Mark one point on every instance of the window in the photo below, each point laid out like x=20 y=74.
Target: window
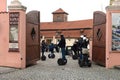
x=59 y=18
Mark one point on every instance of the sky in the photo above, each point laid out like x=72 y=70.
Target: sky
x=77 y=9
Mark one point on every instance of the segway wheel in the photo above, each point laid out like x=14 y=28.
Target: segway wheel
x=65 y=61
x=61 y=61
x=43 y=58
x=81 y=63
x=51 y=55
x=89 y=64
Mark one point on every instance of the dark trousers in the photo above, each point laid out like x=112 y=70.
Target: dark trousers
x=43 y=50
x=52 y=51
x=63 y=53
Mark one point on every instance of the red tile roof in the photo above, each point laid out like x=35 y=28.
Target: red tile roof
x=67 y=25
x=59 y=11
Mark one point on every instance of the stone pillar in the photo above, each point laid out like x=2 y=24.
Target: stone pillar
x=112 y=51
x=3 y=5
x=16 y=9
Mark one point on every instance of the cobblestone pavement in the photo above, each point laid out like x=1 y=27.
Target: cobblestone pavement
x=49 y=70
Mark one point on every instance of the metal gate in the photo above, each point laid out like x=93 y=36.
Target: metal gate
x=99 y=29
x=32 y=37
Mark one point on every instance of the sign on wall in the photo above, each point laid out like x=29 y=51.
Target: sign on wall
x=13 y=31
x=14 y=18
x=116 y=31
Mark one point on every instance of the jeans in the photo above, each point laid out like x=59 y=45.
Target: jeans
x=43 y=50
x=52 y=51
x=63 y=53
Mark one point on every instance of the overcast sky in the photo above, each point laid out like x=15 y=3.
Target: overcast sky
x=77 y=9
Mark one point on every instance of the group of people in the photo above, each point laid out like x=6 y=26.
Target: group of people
x=50 y=47
x=61 y=44
x=79 y=46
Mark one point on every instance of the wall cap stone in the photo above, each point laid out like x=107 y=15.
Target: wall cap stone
x=17 y=8
x=16 y=5
x=112 y=7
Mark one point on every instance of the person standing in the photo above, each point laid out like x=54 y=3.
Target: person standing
x=62 y=45
x=43 y=47
x=51 y=48
x=75 y=48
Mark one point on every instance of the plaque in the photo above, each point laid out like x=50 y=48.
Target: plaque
x=13 y=45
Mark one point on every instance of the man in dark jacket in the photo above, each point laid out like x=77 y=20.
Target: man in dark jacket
x=75 y=48
x=62 y=45
x=43 y=47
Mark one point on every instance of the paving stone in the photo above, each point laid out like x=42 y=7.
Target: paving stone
x=50 y=70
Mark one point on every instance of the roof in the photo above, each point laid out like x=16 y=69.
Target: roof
x=67 y=25
x=59 y=11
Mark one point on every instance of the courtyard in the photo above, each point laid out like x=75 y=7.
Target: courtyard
x=49 y=70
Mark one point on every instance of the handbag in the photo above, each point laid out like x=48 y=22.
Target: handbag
x=85 y=51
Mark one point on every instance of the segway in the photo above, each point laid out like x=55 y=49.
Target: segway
x=43 y=57
x=51 y=55
x=84 y=56
x=62 y=61
x=84 y=61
